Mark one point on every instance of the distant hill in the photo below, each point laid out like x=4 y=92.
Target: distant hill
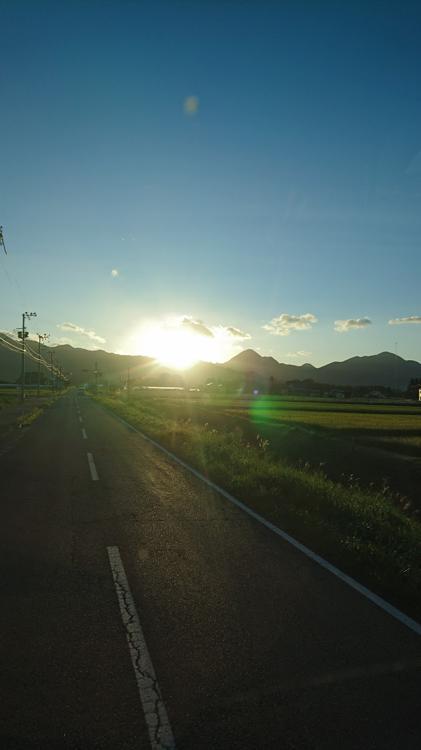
x=384 y=369
x=250 y=361
x=80 y=363
x=379 y=369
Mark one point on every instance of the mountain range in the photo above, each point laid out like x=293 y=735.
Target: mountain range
x=384 y=369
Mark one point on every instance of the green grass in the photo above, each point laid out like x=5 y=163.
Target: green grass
x=344 y=420
x=359 y=529
x=317 y=414
x=325 y=415
x=378 y=443
x=410 y=446
x=33 y=408
x=10 y=396
x=32 y=416
x=6 y=400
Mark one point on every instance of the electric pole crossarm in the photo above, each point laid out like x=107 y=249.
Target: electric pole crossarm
x=41 y=337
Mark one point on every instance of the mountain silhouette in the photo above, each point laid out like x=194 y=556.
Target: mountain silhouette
x=383 y=369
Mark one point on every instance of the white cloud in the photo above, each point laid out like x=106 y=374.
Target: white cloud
x=285 y=323
x=402 y=321
x=235 y=332
x=191 y=105
x=343 y=326
x=81 y=331
x=115 y=273
x=197 y=326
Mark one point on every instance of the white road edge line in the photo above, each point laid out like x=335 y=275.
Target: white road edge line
x=91 y=462
x=84 y=435
x=370 y=595
x=159 y=728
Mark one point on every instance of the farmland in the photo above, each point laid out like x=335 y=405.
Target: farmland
x=374 y=443
x=320 y=469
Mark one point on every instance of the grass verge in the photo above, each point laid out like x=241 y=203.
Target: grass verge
x=32 y=416
x=360 y=531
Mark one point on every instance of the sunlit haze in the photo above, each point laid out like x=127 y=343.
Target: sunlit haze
x=253 y=166
x=182 y=341
x=210 y=374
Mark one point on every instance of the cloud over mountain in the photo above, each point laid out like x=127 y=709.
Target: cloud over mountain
x=351 y=324
x=236 y=332
x=285 y=323
x=81 y=331
x=197 y=326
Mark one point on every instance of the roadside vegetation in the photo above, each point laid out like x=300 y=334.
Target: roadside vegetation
x=6 y=398
x=12 y=416
x=371 y=531
x=34 y=413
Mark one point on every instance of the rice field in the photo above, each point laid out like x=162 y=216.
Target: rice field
x=308 y=466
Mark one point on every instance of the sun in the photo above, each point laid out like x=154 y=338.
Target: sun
x=171 y=346
x=180 y=342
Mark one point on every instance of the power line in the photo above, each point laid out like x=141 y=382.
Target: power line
x=7 y=345
x=31 y=355
x=38 y=357
x=29 y=352
x=8 y=340
x=2 y=240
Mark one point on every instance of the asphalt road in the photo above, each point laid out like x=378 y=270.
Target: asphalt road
x=253 y=645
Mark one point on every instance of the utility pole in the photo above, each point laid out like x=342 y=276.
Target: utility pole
x=396 y=368
x=41 y=337
x=96 y=373
x=128 y=383
x=51 y=371
x=22 y=334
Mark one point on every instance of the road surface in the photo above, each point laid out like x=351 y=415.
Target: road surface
x=140 y=609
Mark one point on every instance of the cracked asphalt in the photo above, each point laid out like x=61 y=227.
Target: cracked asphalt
x=160 y=733
x=253 y=645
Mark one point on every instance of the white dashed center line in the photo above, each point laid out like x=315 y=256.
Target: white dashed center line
x=84 y=435
x=92 y=467
x=80 y=418
x=160 y=732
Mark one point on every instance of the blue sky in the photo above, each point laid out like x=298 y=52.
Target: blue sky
x=291 y=188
